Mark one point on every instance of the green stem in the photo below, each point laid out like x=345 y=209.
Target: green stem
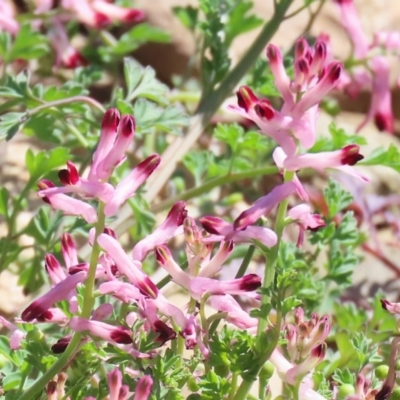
x=206 y=187
x=88 y=302
x=234 y=382
x=246 y=261
x=78 y=135
x=88 y=297
x=56 y=103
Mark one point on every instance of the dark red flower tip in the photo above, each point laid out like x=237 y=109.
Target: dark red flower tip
x=384 y=303
x=148 y=288
x=384 y=122
x=211 y=224
x=320 y=49
x=76 y=60
x=51 y=388
x=343 y=1
x=121 y=335
x=32 y=311
x=165 y=333
x=110 y=232
x=127 y=125
x=51 y=263
x=134 y=15
x=351 y=155
x=148 y=165
x=250 y=282
x=264 y=110
x=178 y=213
x=246 y=98
x=45 y=184
x=69 y=176
x=78 y=268
x=162 y=254
x=101 y=20
x=301 y=48
x=61 y=344
x=272 y=53
x=303 y=65
x=319 y=351
x=334 y=71
x=111 y=120
x=45 y=317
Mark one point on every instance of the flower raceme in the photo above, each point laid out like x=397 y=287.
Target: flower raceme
x=116 y=136
x=368 y=68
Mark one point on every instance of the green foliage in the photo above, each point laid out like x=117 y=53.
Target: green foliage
x=337 y=140
x=388 y=158
x=224 y=20
x=28 y=44
x=337 y=199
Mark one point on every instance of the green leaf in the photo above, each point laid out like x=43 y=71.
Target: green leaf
x=16 y=87
x=29 y=44
x=238 y=22
x=43 y=162
x=339 y=138
x=10 y=124
x=141 y=82
x=388 y=158
x=150 y=117
x=5 y=44
x=336 y=198
x=4 y=198
x=188 y=16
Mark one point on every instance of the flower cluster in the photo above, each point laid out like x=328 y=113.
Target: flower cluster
x=120 y=279
x=368 y=67
x=94 y=14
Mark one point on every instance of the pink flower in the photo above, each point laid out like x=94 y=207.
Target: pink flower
x=16 y=336
x=73 y=183
x=393 y=308
x=342 y=160
x=167 y=230
x=124 y=291
x=143 y=388
x=381 y=103
x=114 y=379
x=271 y=122
x=108 y=134
x=68 y=250
x=226 y=231
x=126 y=132
x=351 y=22
x=148 y=311
x=7 y=18
x=85 y=13
x=109 y=333
x=165 y=259
x=264 y=205
x=66 y=55
x=283 y=366
x=299 y=371
x=54 y=269
x=128 y=186
x=131 y=269
x=305 y=220
x=248 y=283
x=117 y=13
x=57 y=293
x=214 y=265
x=235 y=314
x=68 y=205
